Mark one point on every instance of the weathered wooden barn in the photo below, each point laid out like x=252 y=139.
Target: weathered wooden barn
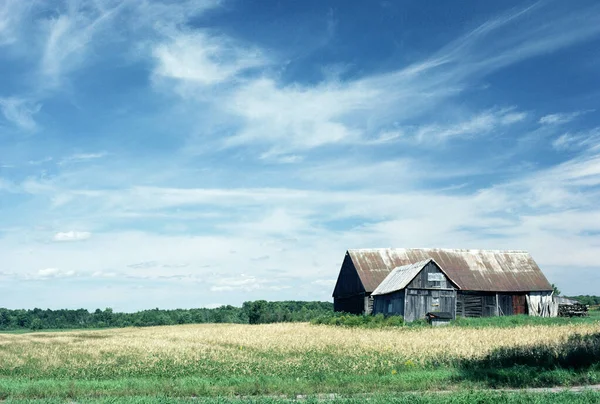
x=414 y=290
x=488 y=283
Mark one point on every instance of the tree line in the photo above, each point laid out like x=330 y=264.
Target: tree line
x=255 y=312
x=587 y=299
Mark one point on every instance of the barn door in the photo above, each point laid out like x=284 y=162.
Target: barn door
x=519 y=304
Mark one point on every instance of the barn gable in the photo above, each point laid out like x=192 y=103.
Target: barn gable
x=349 y=283
x=408 y=275
x=349 y=294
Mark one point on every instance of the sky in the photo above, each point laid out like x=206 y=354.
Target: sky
x=196 y=153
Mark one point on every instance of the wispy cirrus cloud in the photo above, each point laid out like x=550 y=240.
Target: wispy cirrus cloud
x=69 y=36
x=288 y=118
x=82 y=157
x=11 y=13
x=20 y=112
x=204 y=59
x=478 y=125
x=560 y=119
x=584 y=140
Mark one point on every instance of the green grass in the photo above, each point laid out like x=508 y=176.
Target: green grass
x=379 y=321
x=522 y=320
x=419 y=379
x=463 y=397
x=29 y=331
x=572 y=362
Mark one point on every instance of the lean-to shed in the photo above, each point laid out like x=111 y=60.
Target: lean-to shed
x=414 y=290
x=489 y=282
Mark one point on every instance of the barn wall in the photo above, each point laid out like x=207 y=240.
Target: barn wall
x=352 y=304
x=481 y=304
x=348 y=282
x=422 y=301
x=390 y=304
x=422 y=280
x=505 y=303
x=427 y=293
x=349 y=294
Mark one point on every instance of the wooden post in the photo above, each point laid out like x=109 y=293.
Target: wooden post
x=497 y=306
x=455 y=301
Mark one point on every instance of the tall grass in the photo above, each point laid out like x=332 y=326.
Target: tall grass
x=277 y=358
x=353 y=320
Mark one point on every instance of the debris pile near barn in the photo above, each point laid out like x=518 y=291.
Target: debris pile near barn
x=572 y=310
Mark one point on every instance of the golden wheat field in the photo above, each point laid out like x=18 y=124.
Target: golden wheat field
x=275 y=349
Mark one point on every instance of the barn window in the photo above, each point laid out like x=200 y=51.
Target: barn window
x=390 y=306
x=435 y=279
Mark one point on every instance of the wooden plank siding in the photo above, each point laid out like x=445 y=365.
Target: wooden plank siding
x=349 y=294
x=352 y=304
x=423 y=294
x=422 y=301
x=422 y=281
x=391 y=304
x=484 y=304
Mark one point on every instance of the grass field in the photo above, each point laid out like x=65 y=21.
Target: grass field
x=289 y=359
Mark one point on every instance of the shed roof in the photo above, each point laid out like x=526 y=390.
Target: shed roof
x=564 y=300
x=476 y=270
x=399 y=278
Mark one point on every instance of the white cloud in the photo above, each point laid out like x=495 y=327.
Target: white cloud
x=11 y=12
x=72 y=236
x=328 y=283
x=40 y=161
x=559 y=119
x=20 y=112
x=82 y=157
x=299 y=118
x=287 y=118
x=241 y=283
x=143 y=265
x=49 y=273
x=8 y=186
x=204 y=59
x=68 y=38
x=477 y=125
x=589 y=140
x=104 y=274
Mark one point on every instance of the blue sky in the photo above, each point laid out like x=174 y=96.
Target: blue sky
x=197 y=153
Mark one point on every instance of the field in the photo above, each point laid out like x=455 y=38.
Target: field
x=283 y=360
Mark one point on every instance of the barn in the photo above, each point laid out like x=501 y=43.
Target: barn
x=486 y=282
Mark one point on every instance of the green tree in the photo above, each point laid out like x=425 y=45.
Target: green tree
x=556 y=290
x=256 y=311
x=36 y=324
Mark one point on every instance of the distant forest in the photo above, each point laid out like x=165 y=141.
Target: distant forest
x=587 y=299
x=256 y=312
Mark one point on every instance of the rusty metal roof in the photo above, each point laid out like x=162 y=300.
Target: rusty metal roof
x=399 y=278
x=476 y=270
